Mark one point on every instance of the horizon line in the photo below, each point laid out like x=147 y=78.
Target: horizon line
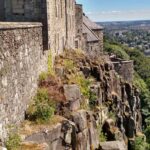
x=124 y=20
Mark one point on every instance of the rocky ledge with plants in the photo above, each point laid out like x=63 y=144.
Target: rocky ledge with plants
x=81 y=104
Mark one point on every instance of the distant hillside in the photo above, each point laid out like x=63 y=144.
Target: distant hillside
x=126 y=24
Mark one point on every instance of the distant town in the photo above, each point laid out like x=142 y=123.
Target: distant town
x=134 y=34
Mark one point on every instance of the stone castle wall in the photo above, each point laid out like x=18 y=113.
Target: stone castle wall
x=93 y=48
x=21 y=62
x=125 y=69
x=56 y=26
x=70 y=23
x=23 y=10
x=58 y=18
x=79 y=23
x=100 y=35
x=2 y=12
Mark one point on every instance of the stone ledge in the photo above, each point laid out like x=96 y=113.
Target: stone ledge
x=122 y=61
x=19 y=25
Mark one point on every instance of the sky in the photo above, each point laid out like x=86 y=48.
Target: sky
x=116 y=10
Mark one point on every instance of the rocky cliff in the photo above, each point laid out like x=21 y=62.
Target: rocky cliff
x=92 y=101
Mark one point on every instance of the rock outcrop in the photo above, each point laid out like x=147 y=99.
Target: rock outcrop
x=92 y=99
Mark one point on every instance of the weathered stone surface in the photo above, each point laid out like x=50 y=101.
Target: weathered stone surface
x=61 y=136
x=22 y=60
x=113 y=145
x=73 y=96
x=34 y=146
x=3 y=148
x=72 y=92
x=124 y=69
x=58 y=18
x=80 y=120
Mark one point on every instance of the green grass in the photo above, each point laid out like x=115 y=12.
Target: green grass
x=13 y=142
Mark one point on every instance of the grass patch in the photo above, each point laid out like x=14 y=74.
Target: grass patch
x=102 y=136
x=69 y=64
x=50 y=64
x=13 y=142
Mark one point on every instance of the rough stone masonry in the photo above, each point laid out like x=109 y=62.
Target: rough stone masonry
x=21 y=62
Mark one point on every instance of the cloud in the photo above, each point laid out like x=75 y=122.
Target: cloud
x=117 y=15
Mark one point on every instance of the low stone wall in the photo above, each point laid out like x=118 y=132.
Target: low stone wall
x=124 y=69
x=21 y=62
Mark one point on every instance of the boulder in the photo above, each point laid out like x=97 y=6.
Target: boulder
x=73 y=96
x=80 y=120
x=113 y=145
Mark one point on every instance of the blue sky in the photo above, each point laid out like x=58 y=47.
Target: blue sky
x=116 y=10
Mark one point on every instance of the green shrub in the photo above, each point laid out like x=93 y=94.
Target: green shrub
x=140 y=144
x=13 y=142
x=92 y=99
x=102 y=136
x=50 y=64
x=112 y=115
x=147 y=133
x=43 y=76
x=116 y=49
x=69 y=64
x=43 y=107
x=84 y=85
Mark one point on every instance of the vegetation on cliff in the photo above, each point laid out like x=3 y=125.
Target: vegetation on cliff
x=141 y=77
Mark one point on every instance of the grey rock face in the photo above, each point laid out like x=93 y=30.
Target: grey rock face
x=113 y=145
x=73 y=96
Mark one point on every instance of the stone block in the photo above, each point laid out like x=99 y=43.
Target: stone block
x=72 y=92
x=80 y=120
x=113 y=145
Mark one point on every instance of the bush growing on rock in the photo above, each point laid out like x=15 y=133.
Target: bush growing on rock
x=42 y=108
x=92 y=99
x=13 y=142
x=140 y=144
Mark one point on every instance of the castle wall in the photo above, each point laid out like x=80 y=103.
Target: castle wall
x=70 y=23
x=100 y=35
x=124 y=69
x=79 y=25
x=27 y=11
x=23 y=10
x=2 y=11
x=93 y=48
x=56 y=26
x=21 y=62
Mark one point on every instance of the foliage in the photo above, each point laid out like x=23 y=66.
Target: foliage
x=145 y=97
x=42 y=108
x=43 y=76
x=83 y=83
x=84 y=104
x=13 y=142
x=69 y=64
x=142 y=75
x=50 y=64
x=102 y=136
x=112 y=115
x=92 y=99
x=141 y=62
x=140 y=144
x=147 y=133
x=148 y=83
x=116 y=49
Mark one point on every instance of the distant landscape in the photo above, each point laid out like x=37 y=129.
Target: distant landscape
x=134 y=34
